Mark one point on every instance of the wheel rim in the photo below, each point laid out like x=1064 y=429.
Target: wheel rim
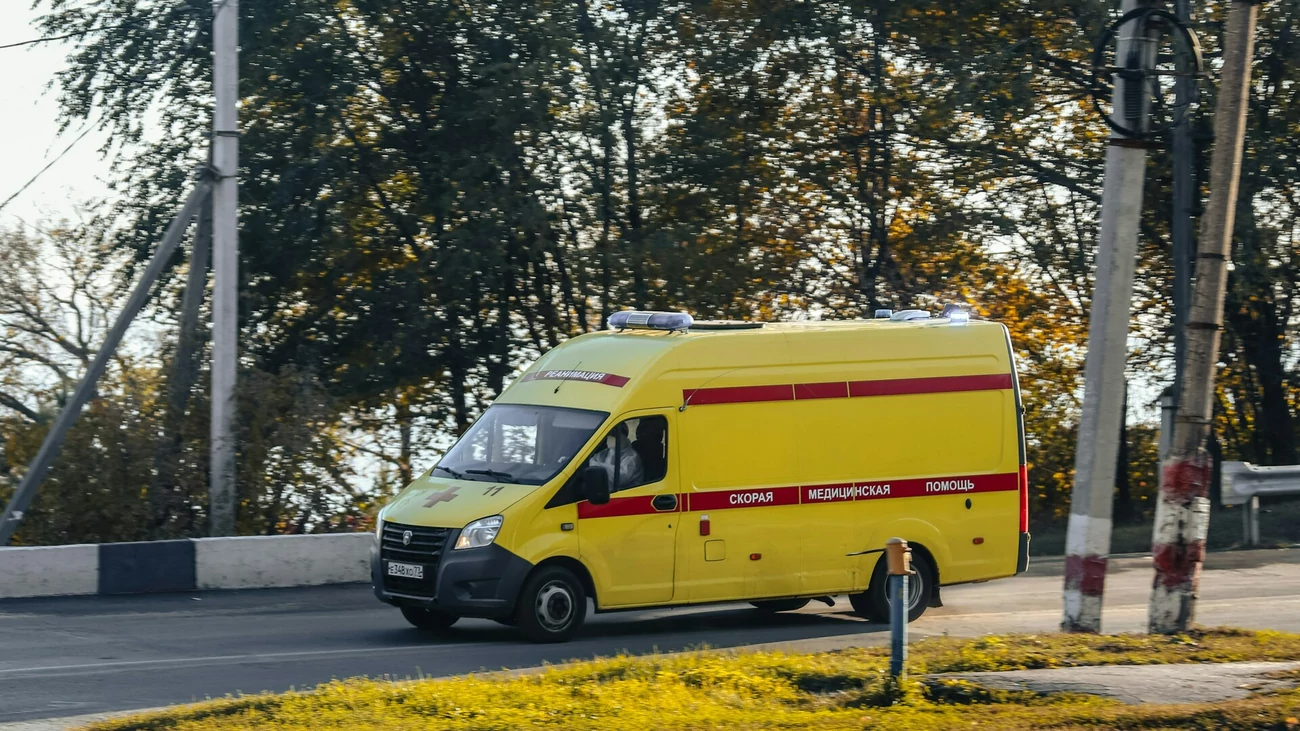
x=915 y=583
x=555 y=606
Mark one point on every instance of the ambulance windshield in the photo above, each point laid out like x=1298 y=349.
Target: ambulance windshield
x=519 y=444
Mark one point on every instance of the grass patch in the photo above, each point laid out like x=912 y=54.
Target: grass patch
x=1027 y=652
x=847 y=689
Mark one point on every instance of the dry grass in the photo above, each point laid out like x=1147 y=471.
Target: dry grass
x=770 y=690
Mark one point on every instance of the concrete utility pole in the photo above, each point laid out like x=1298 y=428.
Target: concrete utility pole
x=1183 y=513
x=225 y=264
x=1087 y=543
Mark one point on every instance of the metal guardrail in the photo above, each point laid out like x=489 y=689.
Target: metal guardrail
x=1243 y=483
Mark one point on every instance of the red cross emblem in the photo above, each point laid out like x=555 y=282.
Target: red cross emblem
x=441 y=497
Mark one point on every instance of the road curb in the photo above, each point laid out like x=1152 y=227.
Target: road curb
x=248 y=562
x=66 y=723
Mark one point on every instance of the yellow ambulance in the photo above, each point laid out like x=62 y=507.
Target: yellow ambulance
x=667 y=462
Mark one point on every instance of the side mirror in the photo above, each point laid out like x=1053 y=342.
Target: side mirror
x=595 y=484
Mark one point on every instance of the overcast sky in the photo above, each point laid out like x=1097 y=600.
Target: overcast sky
x=29 y=132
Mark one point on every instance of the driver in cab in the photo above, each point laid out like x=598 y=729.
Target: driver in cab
x=620 y=460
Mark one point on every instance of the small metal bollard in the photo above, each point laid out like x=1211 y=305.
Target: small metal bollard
x=899 y=562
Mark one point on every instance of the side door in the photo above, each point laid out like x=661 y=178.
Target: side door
x=629 y=542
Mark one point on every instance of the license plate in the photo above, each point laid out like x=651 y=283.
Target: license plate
x=406 y=570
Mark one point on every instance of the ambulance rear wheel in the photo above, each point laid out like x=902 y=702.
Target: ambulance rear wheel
x=552 y=605
x=873 y=605
x=429 y=620
x=780 y=605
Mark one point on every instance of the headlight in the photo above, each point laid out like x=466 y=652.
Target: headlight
x=379 y=526
x=480 y=533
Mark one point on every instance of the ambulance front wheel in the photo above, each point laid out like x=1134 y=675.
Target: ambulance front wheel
x=552 y=605
x=873 y=605
x=429 y=620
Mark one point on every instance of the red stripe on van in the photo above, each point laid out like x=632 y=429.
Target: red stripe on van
x=842 y=492
x=622 y=506
x=850 y=389
x=737 y=394
x=762 y=497
x=751 y=498
x=821 y=390
x=885 y=489
x=939 y=384
x=607 y=379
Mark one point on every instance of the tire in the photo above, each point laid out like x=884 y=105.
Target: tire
x=874 y=606
x=780 y=605
x=429 y=620
x=863 y=607
x=552 y=605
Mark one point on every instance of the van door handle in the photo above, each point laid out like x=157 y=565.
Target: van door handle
x=664 y=503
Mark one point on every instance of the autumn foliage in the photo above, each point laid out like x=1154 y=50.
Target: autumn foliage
x=434 y=192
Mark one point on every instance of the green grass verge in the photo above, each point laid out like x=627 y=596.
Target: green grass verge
x=770 y=690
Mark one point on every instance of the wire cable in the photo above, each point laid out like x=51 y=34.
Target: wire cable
x=49 y=39
x=166 y=78
x=88 y=31
x=48 y=165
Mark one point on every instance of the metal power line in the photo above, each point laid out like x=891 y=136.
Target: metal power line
x=48 y=39
x=31 y=181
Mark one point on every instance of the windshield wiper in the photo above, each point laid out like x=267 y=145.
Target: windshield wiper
x=451 y=472
x=492 y=473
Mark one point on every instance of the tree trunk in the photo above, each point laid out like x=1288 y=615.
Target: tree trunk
x=1252 y=313
x=404 y=422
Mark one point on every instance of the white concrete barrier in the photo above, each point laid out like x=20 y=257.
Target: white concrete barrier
x=276 y=561
x=49 y=571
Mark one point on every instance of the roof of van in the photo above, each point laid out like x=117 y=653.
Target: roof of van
x=617 y=371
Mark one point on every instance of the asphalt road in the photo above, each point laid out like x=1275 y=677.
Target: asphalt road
x=85 y=655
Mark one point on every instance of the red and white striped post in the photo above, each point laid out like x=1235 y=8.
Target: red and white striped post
x=1087 y=540
x=1183 y=513
x=1178 y=548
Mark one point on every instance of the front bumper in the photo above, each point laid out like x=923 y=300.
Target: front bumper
x=475 y=582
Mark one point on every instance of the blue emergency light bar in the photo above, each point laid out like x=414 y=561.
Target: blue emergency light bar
x=957 y=314
x=636 y=320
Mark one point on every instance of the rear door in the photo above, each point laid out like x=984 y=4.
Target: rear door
x=628 y=543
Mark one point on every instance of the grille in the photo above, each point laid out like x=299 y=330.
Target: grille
x=426 y=547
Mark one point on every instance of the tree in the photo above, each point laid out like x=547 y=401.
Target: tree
x=435 y=192
x=55 y=301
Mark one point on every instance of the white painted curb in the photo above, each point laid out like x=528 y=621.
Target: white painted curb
x=279 y=561
x=49 y=571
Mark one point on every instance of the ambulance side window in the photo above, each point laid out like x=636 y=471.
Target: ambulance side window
x=650 y=442
x=634 y=453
